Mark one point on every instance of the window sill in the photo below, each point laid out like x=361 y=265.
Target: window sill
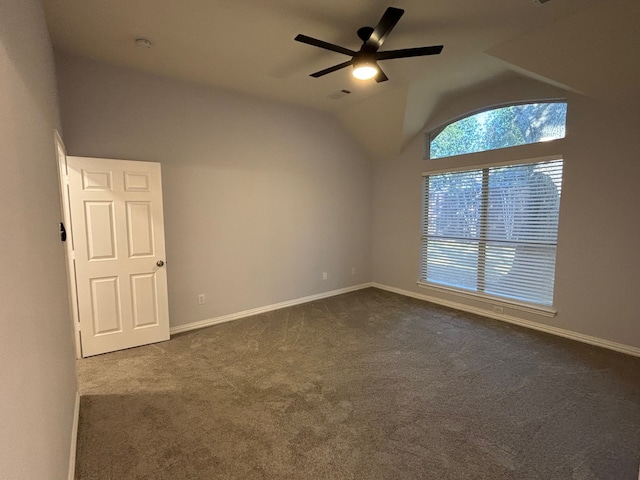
x=513 y=305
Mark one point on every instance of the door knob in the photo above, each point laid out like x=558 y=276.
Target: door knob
x=160 y=263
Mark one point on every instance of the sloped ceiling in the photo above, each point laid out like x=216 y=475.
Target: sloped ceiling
x=595 y=52
x=247 y=46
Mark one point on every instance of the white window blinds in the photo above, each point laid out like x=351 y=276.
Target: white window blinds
x=493 y=230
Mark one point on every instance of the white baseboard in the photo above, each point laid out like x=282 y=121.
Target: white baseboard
x=74 y=438
x=268 y=308
x=600 y=342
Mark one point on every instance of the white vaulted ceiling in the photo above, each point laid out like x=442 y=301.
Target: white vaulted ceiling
x=247 y=46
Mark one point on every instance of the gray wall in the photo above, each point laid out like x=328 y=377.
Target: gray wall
x=598 y=260
x=37 y=369
x=260 y=198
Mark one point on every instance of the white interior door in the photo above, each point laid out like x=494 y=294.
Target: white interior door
x=118 y=237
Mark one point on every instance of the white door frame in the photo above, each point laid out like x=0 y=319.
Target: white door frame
x=63 y=182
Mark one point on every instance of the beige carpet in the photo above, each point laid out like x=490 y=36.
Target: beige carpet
x=368 y=385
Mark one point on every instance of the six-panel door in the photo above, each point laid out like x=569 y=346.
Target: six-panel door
x=118 y=232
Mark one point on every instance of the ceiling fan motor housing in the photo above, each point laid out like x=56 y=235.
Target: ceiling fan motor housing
x=364 y=33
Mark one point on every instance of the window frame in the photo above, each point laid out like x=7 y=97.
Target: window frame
x=496 y=301
x=433 y=133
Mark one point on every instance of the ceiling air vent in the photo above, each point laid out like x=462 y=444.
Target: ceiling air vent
x=339 y=94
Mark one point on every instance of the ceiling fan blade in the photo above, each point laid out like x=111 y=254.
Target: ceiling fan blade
x=389 y=19
x=326 y=45
x=409 y=52
x=381 y=77
x=331 y=69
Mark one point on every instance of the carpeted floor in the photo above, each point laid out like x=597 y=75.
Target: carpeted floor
x=368 y=385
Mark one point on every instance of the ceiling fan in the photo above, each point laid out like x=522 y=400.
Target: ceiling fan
x=365 y=60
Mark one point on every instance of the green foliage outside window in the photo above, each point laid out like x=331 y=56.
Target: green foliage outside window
x=500 y=128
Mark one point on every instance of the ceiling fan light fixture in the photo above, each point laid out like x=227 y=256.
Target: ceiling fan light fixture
x=364 y=71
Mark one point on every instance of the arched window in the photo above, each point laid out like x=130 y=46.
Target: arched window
x=491 y=230
x=499 y=128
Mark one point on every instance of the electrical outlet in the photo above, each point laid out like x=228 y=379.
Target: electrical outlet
x=353 y=270
x=324 y=275
x=201 y=299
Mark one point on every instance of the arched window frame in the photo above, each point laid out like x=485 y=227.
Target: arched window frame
x=432 y=134
x=485 y=162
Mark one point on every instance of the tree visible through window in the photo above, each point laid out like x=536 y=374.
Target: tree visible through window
x=493 y=229
x=500 y=128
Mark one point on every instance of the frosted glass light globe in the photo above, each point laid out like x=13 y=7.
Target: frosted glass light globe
x=364 y=72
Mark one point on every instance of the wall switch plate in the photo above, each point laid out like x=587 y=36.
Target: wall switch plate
x=353 y=270
x=324 y=275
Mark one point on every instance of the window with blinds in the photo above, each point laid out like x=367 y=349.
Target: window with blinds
x=493 y=230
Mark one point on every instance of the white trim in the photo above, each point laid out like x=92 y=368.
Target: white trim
x=506 y=163
x=599 y=342
x=74 y=438
x=268 y=308
x=537 y=310
x=63 y=179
